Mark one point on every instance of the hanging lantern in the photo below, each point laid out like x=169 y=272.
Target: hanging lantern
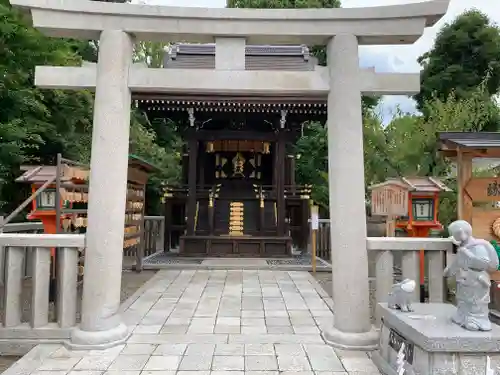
x=210 y=147
x=266 y=148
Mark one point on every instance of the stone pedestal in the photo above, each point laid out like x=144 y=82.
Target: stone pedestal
x=433 y=344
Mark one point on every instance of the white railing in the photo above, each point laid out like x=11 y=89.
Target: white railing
x=26 y=227
x=407 y=253
x=16 y=247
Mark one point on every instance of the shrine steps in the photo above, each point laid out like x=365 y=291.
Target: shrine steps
x=235 y=246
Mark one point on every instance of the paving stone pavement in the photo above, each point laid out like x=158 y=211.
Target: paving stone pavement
x=215 y=322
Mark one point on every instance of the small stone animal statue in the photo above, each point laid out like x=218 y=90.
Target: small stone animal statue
x=401 y=295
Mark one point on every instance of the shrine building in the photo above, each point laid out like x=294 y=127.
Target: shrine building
x=238 y=195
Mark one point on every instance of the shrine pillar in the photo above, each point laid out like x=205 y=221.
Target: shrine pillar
x=192 y=184
x=352 y=327
x=100 y=325
x=280 y=184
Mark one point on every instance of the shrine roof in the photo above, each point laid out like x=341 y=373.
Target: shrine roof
x=43 y=173
x=258 y=57
x=415 y=184
x=138 y=162
x=36 y=173
x=425 y=184
x=470 y=139
x=480 y=144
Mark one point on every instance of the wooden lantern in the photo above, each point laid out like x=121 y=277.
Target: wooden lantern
x=423 y=203
x=414 y=200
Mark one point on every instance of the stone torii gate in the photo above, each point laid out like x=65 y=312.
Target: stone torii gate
x=115 y=77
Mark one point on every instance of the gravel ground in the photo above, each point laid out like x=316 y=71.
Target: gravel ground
x=131 y=282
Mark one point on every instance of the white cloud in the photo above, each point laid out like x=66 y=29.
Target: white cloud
x=385 y=58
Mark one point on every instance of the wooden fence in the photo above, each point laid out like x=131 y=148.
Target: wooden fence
x=323 y=240
x=154 y=232
x=152 y=241
x=375 y=228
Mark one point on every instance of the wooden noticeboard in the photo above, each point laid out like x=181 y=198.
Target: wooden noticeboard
x=483 y=189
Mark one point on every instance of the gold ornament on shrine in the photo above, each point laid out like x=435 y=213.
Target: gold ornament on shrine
x=266 y=148
x=210 y=147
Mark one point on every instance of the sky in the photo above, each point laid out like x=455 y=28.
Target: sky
x=385 y=58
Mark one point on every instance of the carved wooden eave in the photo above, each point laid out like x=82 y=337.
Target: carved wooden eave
x=475 y=144
x=239 y=105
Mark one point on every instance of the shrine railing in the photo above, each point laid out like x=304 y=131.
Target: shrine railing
x=154 y=234
x=375 y=228
x=27 y=311
x=25 y=227
x=395 y=259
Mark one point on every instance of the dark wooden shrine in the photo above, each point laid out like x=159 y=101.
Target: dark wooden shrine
x=239 y=196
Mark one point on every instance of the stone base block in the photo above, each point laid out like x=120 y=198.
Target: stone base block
x=433 y=345
x=98 y=340
x=351 y=341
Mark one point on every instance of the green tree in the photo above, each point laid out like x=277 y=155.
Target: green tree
x=34 y=124
x=167 y=157
x=150 y=53
x=312 y=161
x=465 y=53
x=37 y=124
x=312 y=156
x=412 y=140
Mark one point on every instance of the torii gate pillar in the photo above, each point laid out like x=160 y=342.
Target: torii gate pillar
x=346 y=179
x=101 y=326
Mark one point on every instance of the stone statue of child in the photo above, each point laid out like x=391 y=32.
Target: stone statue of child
x=474 y=259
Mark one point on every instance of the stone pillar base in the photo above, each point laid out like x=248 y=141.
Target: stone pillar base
x=87 y=340
x=351 y=341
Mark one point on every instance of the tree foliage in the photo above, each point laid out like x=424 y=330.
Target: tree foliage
x=37 y=124
x=34 y=123
x=465 y=52
x=412 y=143
x=312 y=156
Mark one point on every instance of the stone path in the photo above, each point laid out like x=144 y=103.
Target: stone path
x=215 y=323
